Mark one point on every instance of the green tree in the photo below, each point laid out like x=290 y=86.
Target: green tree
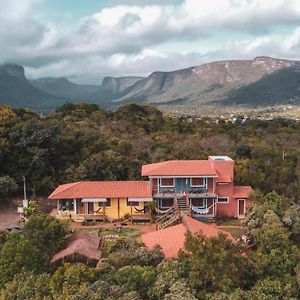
x=135 y=278
x=217 y=254
x=46 y=233
x=19 y=254
x=7 y=186
x=27 y=286
x=68 y=278
x=276 y=256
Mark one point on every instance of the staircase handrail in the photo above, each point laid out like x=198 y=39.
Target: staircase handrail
x=165 y=216
x=163 y=212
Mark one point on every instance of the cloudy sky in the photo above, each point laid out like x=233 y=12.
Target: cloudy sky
x=88 y=39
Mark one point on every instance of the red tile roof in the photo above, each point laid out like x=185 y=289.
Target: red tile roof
x=179 y=168
x=172 y=238
x=224 y=179
x=241 y=191
x=103 y=189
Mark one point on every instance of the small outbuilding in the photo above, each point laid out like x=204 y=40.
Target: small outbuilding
x=80 y=247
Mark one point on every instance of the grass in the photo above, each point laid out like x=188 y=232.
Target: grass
x=230 y=222
x=121 y=232
x=236 y=232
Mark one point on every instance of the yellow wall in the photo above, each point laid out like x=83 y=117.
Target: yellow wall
x=112 y=212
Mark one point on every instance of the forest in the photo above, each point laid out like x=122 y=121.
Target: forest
x=84 y=142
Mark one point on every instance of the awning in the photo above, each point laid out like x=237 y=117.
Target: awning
x=94 y=200
x=140 y=199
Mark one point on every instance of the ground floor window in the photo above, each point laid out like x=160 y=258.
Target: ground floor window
x=132 y=203
x=199 y=202
x=166 y=202
x=108 y=202
x=66 y=205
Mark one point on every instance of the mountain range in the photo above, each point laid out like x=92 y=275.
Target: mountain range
x=263 y=81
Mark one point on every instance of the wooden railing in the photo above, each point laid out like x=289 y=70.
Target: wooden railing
x=172 y=215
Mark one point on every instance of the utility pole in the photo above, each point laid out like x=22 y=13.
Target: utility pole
x=25 y=201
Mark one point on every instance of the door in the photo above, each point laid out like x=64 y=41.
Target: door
x=79 y=207
x=90 y=208
x=241 y=207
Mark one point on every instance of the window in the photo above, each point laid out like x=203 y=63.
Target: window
x=66 y=205
x=132 y=203
x=199 y=202
x=198 y=182
x=223 y=199
x=167 y=182
x=108 y=202
x=166 y=202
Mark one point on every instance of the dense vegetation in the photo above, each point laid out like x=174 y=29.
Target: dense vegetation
x=210 y=268
x=83 y=142
x=80 y=142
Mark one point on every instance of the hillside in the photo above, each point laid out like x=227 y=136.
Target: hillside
x=16 y=90
x=282 y=86
x=205 y=83
x=113 y=88
x=62 y=87
x=260 y=82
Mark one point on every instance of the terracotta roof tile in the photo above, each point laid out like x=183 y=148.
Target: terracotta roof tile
x=224 y=179
x=103 y=189
x=172 y=238
x=241 y=191
x=179 y=168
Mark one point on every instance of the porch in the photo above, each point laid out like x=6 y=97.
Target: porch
x=195 y=205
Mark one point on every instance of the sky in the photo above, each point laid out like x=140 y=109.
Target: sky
x=86 y=40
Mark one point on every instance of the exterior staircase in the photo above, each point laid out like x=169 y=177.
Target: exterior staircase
x=183 y=203
x=171 y=217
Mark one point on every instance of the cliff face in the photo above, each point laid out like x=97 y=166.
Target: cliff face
x=15 y=90
x=262 y=81
x=204 y=83
x=12 y=70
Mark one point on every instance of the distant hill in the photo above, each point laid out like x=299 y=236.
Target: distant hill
x=16 y=90
x=205 y=83
x=282 y=86
x=113 y=88
x=263 y=81
x=64 y=88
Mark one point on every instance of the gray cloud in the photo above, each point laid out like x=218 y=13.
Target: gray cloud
x=124 y=39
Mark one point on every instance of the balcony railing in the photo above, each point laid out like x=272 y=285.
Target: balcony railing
x=166 y=191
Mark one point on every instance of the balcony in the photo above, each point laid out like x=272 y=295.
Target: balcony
x=191 y=192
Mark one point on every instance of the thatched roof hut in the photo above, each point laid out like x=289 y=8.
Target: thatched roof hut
x=80 y=247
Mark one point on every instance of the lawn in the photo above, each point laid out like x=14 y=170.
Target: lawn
x=236 y=232
x=121 y=232
x=230 y=222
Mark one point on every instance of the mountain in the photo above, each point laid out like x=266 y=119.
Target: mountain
x=113 y=88
x=16 y=90
x=205 y=83
x=263 y=81
x=280 y=87
x=64 y=88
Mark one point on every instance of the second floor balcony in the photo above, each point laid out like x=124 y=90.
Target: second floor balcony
x=184 y=186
